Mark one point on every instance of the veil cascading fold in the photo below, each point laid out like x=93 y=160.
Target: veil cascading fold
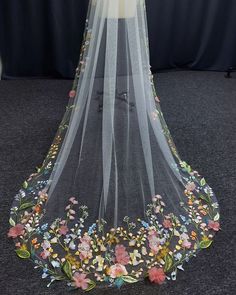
x=113 y=202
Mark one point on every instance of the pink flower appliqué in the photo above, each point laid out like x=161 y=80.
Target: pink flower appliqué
x=84 y=247
x=86 y=240
x=63 y=230
x=15 y=231
x=185 y=241
x=121 y=254
x=186 y=244
x=81 y=281
x=157 y=99
x=190 y=186
x=72 y=93
x=45 y=254
x=73 y=201
x=153 y=241
x=156 y=275
x=167 y=223
x=213 y=225
x=46 y=245
x=117 y=270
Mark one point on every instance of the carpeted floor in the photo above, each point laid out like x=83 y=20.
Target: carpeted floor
x=200 y=109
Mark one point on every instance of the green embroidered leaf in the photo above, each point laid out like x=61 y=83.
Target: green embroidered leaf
x=205 y=198
x=217 y=217
x=183 y=164
x=91 y=286
x=38 y=169
x=205 y=244
x=168 y=263
x=26 y=205
x=24 y=254
x=12 y=222
x=185 y=167
x=59 y=278
x=67 y=269
x=188 y=168
x=25 y=184
x=129 y=279
x=202 y=182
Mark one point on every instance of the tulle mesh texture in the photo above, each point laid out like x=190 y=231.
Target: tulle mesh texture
x=115 y=155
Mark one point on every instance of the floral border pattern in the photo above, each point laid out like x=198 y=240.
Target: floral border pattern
x=155 y=248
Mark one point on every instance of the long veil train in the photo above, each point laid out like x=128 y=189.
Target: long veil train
x=113 y=202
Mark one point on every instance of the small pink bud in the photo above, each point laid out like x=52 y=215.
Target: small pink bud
x=72 y=93
x=157 y=99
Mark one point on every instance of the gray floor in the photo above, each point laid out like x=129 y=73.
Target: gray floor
x=200 y=109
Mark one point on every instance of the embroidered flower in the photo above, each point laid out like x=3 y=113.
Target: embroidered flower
x=184 y=236
x=190 y=186
x=55 y=263
x=16 y=231
x=186 y=244
x=157 y=209
x=213 y=225
x=167 y=223
x=157 y=99
x=193 y=235
x=156 y=198
x=144 y=250
x=73 y=201
x=153 y=241
x=45 y=273
x=80 y=280
x=121 y=254
x=72 y=245
x=84 y=247
x=105 y=255
x=117 y=270
x=43 y=195
x=37 y=208
x=45 y=254
x=100 y=261
x=44 y=226
x=156 y=275
x=63 y=230
x=72 y=93
x=134 y=257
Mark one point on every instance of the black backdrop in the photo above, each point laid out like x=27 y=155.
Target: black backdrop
x=43 y=37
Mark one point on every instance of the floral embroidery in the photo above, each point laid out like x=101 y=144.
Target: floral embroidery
x=81 y=281
x=16 y=231
x=64 y=250
x=82 y=60
x=156 y=275
x=72 y=93
x=213 y=225
x=155 y=248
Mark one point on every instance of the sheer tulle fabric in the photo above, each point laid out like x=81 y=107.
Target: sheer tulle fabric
x=114 y=154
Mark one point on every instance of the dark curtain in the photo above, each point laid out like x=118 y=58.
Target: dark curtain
x=43 y=37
